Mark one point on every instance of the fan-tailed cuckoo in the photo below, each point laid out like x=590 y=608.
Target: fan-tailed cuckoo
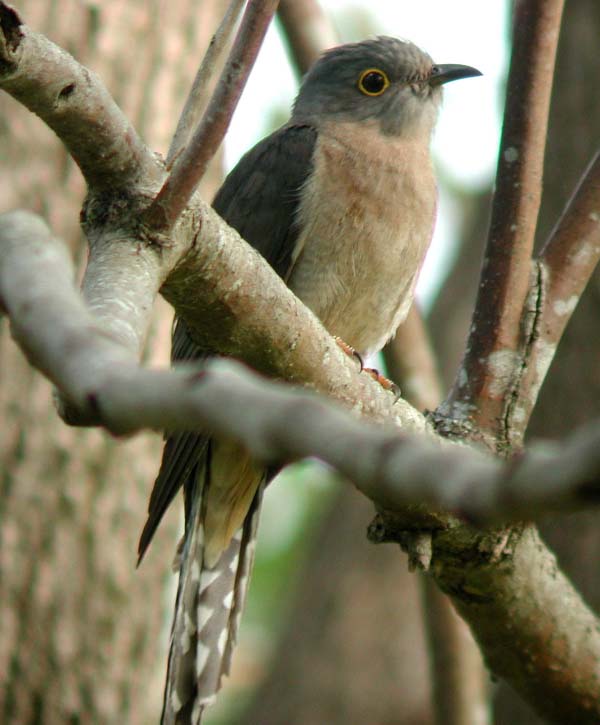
x=341 y=202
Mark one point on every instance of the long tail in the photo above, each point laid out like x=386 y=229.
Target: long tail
x=207 y=616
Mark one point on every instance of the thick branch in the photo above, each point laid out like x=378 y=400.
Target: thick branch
x=275 y=423
x=189 y=168
x=495 y=333
x=75 y=104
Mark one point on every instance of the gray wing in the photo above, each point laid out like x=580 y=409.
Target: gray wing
x=259 y=198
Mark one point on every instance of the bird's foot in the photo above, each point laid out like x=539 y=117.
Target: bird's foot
x=385 y=383
x=349 y=350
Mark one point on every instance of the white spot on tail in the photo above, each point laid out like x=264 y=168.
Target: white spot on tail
x=201 y=658
x=204 y=614
x=511 y=154
x=207 y=577
x=234 y=563
x=222 y=641
x=186 y=635
x=243 y=583
x=228 y=600
x=175 y=701
x=250 y=547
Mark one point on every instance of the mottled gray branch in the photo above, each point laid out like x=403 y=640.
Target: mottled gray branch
x=84 y=348
x=277 y=424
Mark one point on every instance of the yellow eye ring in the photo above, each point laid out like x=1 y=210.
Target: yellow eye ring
x=373 y=82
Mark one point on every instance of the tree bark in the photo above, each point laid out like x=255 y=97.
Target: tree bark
x=571 y=393
x=82 y=634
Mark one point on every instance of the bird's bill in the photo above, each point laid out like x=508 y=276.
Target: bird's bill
x=451 y=72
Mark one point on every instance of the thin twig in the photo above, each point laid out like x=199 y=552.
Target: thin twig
x=189 y=168
x=495 y=333
x=198 y=97
x=308 y=31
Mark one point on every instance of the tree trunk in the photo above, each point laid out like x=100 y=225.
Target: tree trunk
x=82 y=633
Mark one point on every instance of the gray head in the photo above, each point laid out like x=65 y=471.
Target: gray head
x=384 y=79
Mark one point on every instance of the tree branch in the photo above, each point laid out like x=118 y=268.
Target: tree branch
x=560 y=275
x=189 y=168
x=198 y=95
x=222 y=281
x=49 y=317
x=481 y=388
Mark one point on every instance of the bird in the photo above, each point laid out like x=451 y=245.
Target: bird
x=341 y=201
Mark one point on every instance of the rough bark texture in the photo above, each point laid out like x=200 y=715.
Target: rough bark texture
x=82 y=634
x=571 y=394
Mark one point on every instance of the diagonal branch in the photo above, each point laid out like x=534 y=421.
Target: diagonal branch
x=495 y=332
x=278 y=424
x=189 y=168
x=198 y=96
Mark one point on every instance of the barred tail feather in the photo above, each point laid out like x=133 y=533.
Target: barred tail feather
x=207 y=615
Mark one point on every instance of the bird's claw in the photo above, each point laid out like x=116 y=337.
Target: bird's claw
x=385 y=383
x=349 y=350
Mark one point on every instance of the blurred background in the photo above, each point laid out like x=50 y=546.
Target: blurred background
x=334 y=631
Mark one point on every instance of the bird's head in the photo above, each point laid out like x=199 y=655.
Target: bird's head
x=383 y=79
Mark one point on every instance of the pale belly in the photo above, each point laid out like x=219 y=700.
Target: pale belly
x=366 y=224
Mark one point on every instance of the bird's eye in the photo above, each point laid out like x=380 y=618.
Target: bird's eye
x=373 y=82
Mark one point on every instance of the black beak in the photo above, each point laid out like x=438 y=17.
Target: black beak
x=451 y=72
